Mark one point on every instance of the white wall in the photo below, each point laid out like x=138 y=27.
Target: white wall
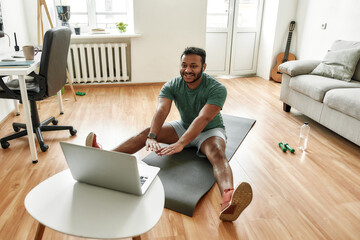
x=14 y=21
x=267 y=38
x=274 y=34
x=342 y=18
x=167 y=27
x=31 y=18
x=309 y=41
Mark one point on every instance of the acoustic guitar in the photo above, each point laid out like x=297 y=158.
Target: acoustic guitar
x=284 y=56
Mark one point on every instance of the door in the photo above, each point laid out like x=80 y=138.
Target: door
x=232 y=36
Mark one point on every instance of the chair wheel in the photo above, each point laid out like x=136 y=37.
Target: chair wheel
x=55 y=122
x=44 y=147
x=73 y=132
x=16 y=129
x=5 y=145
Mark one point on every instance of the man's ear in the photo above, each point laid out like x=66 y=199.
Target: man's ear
x=204 y=66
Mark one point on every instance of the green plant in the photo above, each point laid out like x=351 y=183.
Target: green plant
x=121 y=26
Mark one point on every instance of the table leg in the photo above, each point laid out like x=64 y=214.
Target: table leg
x=137 y=238
x=70 y=83
x=39 y=232
x=60 y=102
x=29 y=127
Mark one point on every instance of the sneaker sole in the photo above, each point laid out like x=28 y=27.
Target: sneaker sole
x=89 y=139
x=240 y=199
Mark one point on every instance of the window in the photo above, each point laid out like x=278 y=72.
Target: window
x=217 y=14
x=247 y=13
x=100 y=13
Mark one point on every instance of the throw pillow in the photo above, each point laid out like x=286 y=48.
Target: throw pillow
x=339 y=64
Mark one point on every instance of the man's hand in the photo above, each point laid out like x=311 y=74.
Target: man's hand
x=170 y=149
x=152 y=145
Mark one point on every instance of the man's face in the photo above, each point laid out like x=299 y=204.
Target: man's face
x=191 y=68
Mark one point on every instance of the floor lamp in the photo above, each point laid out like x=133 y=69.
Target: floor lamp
x=40 y=28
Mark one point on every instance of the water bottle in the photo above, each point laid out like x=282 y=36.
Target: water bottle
x=304 y=135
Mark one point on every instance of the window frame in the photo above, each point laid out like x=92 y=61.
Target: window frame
x=92 y=16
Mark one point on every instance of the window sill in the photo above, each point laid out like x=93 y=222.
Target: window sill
x=105 y=35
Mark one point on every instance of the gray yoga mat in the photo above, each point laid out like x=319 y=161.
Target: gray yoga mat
x=187 y=177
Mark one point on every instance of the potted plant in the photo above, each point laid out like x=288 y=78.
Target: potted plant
x=121 y=26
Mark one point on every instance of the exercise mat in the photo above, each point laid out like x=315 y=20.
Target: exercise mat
x=187 y=177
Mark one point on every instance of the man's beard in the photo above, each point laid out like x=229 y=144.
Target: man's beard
x=196 y=78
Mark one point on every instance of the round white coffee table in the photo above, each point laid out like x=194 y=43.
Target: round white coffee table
x=83 y=210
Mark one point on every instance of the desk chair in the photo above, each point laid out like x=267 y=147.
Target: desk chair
x=51 y=78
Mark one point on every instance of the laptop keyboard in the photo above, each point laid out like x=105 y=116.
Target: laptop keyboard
x=143 y=180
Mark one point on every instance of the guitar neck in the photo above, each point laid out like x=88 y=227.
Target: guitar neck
x=286 y=55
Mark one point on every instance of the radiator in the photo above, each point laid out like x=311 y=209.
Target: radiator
x=97 y=62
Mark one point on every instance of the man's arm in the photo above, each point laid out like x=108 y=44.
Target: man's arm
x=162 y=111
x=207 y=113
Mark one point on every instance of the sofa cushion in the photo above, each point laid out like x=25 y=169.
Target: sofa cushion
x=339 y=64
x=316 y=86
x=344 y=100
x=298 y=67
x=341 y=44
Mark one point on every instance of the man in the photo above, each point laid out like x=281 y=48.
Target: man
x=199 y=99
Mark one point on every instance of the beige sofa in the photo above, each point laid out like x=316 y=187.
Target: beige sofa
x=332 y=102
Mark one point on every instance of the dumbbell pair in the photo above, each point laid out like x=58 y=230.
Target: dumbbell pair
x=285 y=147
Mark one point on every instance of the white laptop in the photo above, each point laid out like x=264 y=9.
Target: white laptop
x=108 y=169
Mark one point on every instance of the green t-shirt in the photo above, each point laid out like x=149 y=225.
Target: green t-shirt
x=190 y=102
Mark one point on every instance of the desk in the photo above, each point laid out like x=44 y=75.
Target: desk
x=22 y=72
x=83 y=210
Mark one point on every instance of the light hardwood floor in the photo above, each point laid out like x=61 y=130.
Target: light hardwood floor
x=311 y=195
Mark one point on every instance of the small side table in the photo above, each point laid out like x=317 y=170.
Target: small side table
x=65 y=205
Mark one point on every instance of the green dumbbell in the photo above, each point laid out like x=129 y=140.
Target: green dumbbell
x=290 y=148
x=80 y=93
x=283 y=148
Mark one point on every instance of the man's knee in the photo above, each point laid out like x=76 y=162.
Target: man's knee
x=167 y=134
x=144 y=133
x=218 y=154
x=214 y=149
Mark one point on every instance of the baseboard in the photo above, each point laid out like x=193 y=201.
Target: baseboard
x=104 y=85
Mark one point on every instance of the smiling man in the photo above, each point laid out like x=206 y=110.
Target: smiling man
x=199 y=99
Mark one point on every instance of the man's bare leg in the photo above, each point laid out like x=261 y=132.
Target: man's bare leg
x=214 y=149
x=134 y=144
x=234 y=201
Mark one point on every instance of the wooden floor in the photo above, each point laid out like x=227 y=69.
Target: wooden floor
x=310 y=195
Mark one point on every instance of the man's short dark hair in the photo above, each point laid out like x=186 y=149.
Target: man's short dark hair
x=197 y=51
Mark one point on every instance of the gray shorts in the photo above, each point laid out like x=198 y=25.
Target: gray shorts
x=180 y=130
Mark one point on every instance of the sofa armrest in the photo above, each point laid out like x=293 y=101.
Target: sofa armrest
x=298 y=67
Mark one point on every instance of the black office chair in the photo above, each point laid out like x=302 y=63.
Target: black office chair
x=48 y=82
